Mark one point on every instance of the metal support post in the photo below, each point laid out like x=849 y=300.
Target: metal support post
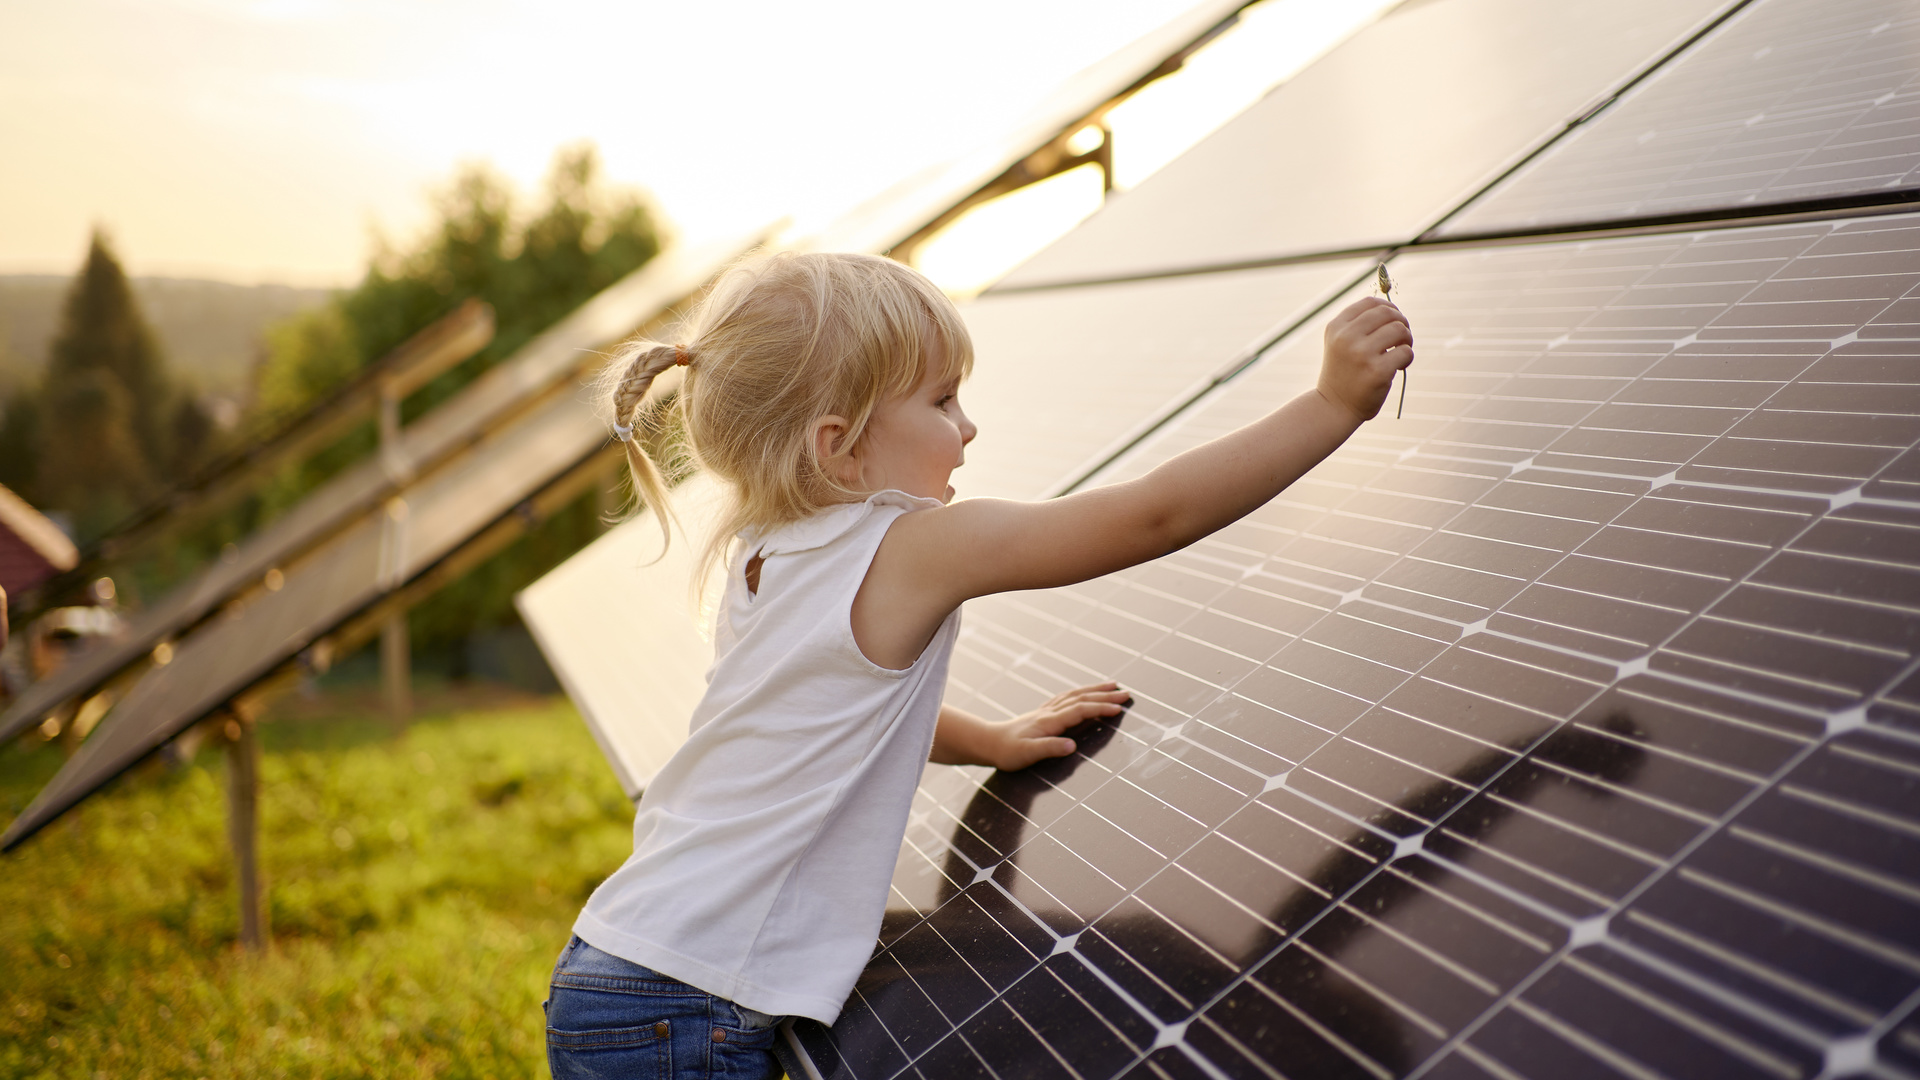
x=243 y=826
x=396 y=665
x=396 y=668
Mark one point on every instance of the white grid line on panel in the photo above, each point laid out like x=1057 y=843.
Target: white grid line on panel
x=1713 y=687
x=1786 y=546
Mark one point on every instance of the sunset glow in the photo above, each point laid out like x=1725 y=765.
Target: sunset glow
x=276 y=139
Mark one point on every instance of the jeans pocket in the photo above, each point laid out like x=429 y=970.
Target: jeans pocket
x=591 y=1035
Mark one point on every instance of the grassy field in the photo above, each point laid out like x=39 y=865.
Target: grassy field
x=421 y=883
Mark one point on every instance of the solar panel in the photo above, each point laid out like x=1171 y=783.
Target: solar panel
x=1160 y=362
x=546 y=362
x=500 y=464
x=615 y=629
x=615 y=648
x=1377 y=140
x=1127 y=354
x=1788 y=101
x=1568 y=727
x=911 y=206
x=344 y=577
x=291 y=439
x=335 y=583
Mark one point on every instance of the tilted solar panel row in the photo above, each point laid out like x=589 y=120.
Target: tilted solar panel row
x=907 y=211
x=520 y=429
x=552 y=359
x=1069 y=376
x=280 y=440
x=1378 y=140
x=1569 y=726
x=1565 y=727
x=345 y=577
x=1790 y=102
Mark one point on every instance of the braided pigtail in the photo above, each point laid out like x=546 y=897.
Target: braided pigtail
x=625 y=382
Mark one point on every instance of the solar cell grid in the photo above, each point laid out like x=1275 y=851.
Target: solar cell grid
x=1566 y=727
x=1376 y=141
x=1063 y=375
x=1790 y=100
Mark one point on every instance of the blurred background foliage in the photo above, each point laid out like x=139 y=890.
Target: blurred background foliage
x=109 y=425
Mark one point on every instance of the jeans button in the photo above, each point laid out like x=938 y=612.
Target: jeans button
x=719 y=1036
x=660 y=1029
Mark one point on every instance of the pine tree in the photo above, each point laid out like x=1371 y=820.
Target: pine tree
x=106 y=410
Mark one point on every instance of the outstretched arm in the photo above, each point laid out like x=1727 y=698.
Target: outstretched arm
x=935 y=560
x=965 y=739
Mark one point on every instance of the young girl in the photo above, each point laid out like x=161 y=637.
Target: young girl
x=823 y=390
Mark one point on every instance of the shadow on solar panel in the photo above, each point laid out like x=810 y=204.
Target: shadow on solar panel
x=1571 y=722
x=1279 y=867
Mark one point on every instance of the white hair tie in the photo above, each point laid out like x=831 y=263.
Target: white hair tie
x=622 y=432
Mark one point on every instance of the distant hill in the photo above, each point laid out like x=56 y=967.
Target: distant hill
x=210 y=331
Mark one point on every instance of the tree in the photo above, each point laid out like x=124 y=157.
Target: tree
x=106 y=408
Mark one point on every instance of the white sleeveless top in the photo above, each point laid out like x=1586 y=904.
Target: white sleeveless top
x=763 y=851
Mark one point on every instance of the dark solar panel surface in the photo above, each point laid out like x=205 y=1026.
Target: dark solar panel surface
x=1569 y=727
x=355 y=568
x=1789 y=100
x=1377 y=140
x=1064 y=377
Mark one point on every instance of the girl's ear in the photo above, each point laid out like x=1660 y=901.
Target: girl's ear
x=829 y=439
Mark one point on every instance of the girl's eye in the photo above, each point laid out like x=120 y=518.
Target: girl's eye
x=945 y=400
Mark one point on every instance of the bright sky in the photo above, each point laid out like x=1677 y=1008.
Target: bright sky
x=267 y=140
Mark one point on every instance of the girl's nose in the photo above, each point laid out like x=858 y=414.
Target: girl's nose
x=967 y=429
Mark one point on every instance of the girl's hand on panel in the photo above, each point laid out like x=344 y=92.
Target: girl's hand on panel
x=1031 y=737
x=1365 y=344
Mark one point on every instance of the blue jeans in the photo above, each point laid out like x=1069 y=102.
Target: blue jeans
x=608 y=1017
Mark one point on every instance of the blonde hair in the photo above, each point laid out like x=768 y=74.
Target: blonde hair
x=779 y=342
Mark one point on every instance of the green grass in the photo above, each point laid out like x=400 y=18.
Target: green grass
x=420 y=885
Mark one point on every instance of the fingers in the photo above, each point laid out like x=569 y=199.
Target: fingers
x=1054 y=720
x=1379 y=318
x=1063 y=712
x=1106 y=691
x=1031 y=751
x=1037 y=735
x=1385 y=339
x=1367 y=312
x=1355 y=310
